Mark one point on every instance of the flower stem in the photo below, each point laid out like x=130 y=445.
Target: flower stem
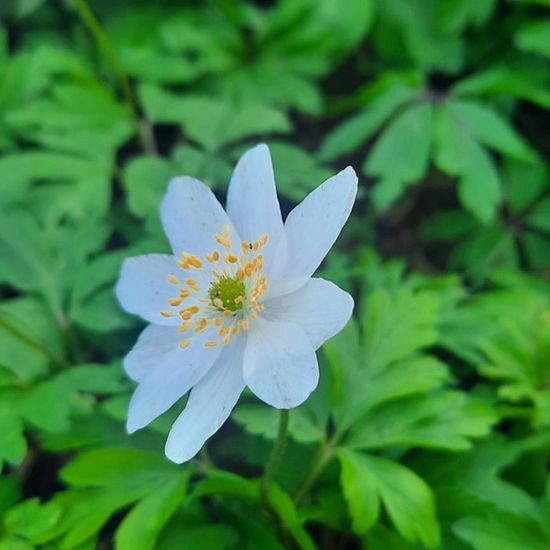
x=323 y=457
x=276 y=455
x=104 y=44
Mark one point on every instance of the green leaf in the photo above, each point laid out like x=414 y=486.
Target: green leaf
x=10 y=492
x=488 y=128
x=141 y=527
x=116 y=468
x=518 y=81
x=443 y=420
x=396 y=326
x=401 y=154
x=360 y=491
x=29 y=338
x=210 y=536
x=31 y=520
x=296 y=171
x=347 y=137
x=458 y=154
x=46 y=407
x=406 y=498
x=77 y=187
x=534 y=37
x=13 y=446
x=212 y=123
x=145 y=180
x=502 y=530
x=261 y=420
x=81 y=118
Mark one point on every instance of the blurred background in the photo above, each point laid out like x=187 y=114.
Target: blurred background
x=431 y=425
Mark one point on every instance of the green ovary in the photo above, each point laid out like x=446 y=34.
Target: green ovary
x=227 y=289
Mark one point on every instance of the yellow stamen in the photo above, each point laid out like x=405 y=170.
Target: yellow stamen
x=185 y=327
x=173 y=279
x=185 y=344
x=210 y=344
x=194 y=261
x=175 y=302
x=184 y=293
x=191 y=283
x=244 y=324
x=167 y=314
x=231 y=259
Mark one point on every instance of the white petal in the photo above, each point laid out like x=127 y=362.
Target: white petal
x=280 y=366
x=311 y=230
x=165 y=371
x=143 y=288
x=319 y=307
x=252 y=201
x=210 y=403
x=191 y=216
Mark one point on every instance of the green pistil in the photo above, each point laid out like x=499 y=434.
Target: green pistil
x=227 y=289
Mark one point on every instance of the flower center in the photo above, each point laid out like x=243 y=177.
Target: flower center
x=227 y=293
x=235 y=283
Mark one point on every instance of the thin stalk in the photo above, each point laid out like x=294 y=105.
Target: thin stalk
x=324 y=456
x=276 y=455
x=104 y=44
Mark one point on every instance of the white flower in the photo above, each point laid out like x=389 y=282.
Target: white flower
x=236 y=304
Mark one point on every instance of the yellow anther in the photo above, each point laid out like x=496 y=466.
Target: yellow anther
x=210 y=344
x=223 y=331
x=191 y=283
x=226 y=340
x=194 y=261
x=231 y=259
x=186 y=314
x=223 y=241
x=217 y=322
x=175 y=302
x=173 y=279
x=214 y=257
x=184 y=293
x=235 y=330
x=200 y=329
x=185 y=327
x=184 y=264
x=245 y=245
x=167 y=314
x=218 y=303
x=185 y=344
x=239 y=300
x=263 y=240
x=255 y=246
x=244 y=324
x=226 y=231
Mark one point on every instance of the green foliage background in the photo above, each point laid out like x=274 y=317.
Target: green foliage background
x=430 y=428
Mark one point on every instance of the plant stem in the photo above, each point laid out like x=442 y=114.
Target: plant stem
x=276 y=455
x=323 y=457
x=94 y=26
